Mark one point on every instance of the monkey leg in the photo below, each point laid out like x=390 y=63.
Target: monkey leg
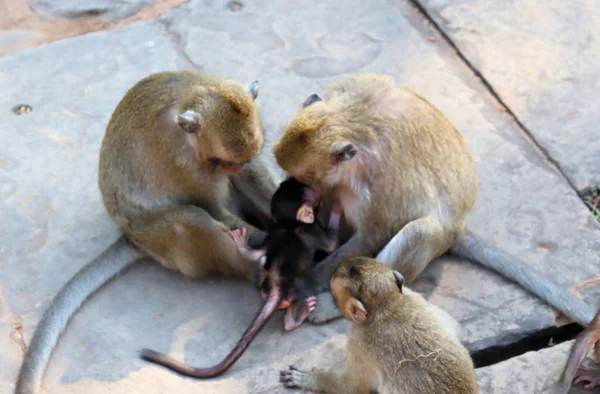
x=414 y=246
x=187 y=239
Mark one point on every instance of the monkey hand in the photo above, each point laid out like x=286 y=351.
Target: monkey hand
x=326 y=310
x=239 y=238
x=297 y=379
x=590 y=378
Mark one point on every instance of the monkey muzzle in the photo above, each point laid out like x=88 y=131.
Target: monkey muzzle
x=228 y=167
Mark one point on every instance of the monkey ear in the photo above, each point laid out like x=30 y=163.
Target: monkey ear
x=305 y=214
x=399 y=280
x=356 y=310
x=189 y=120
x=344 y=151
x=253 y=88
x=310 y=100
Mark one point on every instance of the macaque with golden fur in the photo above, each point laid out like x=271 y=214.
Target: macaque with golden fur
x=178 y=169
x=406 y=182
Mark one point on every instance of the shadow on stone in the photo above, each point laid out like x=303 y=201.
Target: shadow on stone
x=536 y=341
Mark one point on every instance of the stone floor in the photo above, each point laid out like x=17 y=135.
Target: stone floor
x=518 y=80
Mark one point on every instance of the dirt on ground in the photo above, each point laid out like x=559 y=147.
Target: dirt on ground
x=30 y=29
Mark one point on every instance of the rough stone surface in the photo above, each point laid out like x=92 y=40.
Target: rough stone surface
x=12 y=41
x=113 y=10
x=53 y=221
x=542 y=58
x=532 y=372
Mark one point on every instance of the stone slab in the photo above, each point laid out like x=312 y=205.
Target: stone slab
x=523 y=205
x=531 y=373
x=542 y=58
x=112 y=10
x=54 y=223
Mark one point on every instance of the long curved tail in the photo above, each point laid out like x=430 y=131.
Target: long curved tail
x=472 y=248
x=270 y=305
x=88 y=280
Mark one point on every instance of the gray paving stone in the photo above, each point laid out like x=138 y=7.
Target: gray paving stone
x=543 y=59
x=530 y=373
x=14 y=40
x=112 y=10
x=54 y=223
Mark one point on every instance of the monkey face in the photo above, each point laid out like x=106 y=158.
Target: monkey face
x=359 y=285
x=223 y=125
x=316 y=147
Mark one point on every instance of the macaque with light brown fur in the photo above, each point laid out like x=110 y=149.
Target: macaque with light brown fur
x=406 y=182
x=397 y=341
x=178 y=170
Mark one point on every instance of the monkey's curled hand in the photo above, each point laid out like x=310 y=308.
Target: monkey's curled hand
x=297 y=379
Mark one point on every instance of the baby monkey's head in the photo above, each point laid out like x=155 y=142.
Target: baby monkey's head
x=359 y=286
x=294 y=200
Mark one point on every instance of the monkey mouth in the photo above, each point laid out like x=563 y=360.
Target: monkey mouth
x=228 y=167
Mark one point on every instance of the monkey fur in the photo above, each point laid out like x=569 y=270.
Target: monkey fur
x=179 y=165
x=406 y=182
x=286 y=255
x=397 y=341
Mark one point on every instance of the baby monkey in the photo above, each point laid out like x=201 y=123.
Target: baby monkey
x=397 y=342
x=284 y=260
x=289 y=249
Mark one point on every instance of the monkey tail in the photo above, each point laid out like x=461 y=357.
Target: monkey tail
x=270 y=305
x=119 y=256
x=474 y=249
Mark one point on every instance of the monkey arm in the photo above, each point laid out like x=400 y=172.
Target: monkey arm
x=256 y=183
x=333 y=227
x=232 y=221
x=358 y=245
x=317 y=381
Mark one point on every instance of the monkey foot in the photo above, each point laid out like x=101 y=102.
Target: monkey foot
x=239 y=237
x=296 y=314
x=294 y=378
x=591 y=379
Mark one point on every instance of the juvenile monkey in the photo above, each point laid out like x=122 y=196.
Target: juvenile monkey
x=406 y=182
x=286 y=256
x=178 y=166
x=397 y=341
x=573 y=374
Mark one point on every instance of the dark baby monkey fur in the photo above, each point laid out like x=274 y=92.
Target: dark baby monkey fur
x=289 y=249
x=397 y=341
x=178 y=167
x=406 y=182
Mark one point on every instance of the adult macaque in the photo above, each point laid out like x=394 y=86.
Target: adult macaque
x=178 y=166
x=397 y=342
x=286 y=256
x=406 y=182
